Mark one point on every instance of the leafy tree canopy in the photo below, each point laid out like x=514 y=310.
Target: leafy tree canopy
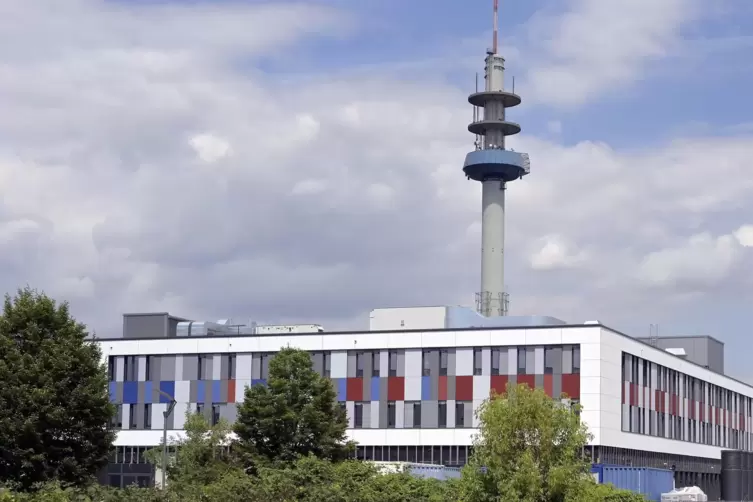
x=55 y=410
x=295 y=414
x=201 y=458
x=529 y=448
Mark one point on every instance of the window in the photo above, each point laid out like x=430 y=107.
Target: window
x=392 y=360
x=477 y=364
x=417 y=415
x=327 y=364
x=129 y=368
x=391 y=414
x=147 y=416
x=444 y=361
x=343 y=406
x=111 y=368
x=375 y=363
x=548 y=360
x=264 y=361
x=576 y=359
x=200 y=408
x=359 y=364
x=442 y=418
x=230 y=367
x=148 y=368
x=358 y=415
x=521 y=361
x=495 y=361
x=215 y=413
x=132 y=416
x=117 y=419
x=459 y=414
x=426 y=362
x=203 y=369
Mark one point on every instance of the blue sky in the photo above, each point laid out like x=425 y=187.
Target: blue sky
x=301 y=162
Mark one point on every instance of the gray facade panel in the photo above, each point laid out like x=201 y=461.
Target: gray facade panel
x=557 y=386
x=503 y=361
x=367 y=389
x=383 y=391
x=451 y=363
x=530 y=360
x=567 y=360
x=469 y=414
x=557 y=360
x=317 y=361
x=450 y=387
x=401 y=363
x=223 y=391
x=193 y=391
x=190 y=367
x=408 y=422
x=255 y=366
x=224 y=366
x=164 y=368
x=539 y=381
x=367 y=367
x=429 y=414
x=351 y=364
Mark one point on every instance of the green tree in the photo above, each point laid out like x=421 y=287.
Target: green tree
x=295 y=414
x=55 y=410
x=199 y=459
x=529 y=448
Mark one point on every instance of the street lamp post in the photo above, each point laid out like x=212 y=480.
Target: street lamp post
x=165 y=415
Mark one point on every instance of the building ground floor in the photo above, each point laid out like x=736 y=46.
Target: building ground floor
x=128 y=465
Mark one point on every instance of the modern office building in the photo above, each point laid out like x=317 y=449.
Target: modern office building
x=411 y=391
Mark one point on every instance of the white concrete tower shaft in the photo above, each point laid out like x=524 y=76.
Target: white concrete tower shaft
x=493 y=166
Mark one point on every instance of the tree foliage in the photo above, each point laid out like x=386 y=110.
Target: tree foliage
x=55 y=410
x=201 y=458
x=294 y=415
x=529 y=449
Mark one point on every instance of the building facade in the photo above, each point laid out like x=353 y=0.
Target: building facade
x=412 y=395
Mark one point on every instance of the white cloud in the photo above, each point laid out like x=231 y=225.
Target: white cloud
x=555 y=252
x=333 y=197
x=210 y=148
x=597 y=46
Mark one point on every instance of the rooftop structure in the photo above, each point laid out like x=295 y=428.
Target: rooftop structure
x=494 y=166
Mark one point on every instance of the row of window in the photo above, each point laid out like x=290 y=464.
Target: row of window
x=685 y=429
x=446 y=455
x=412 y=414
x=656 y=376
x=133 y=415
x=324 y=365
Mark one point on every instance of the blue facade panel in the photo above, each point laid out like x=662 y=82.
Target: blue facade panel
x=149 y=392
x=216 y=391
x=201 y=392
x=341 y=384
x=168 y=387
x=375 y=388
x=425 y=388
x=113 y=391
x=130 y=392
x=651 y=483
x=258 y=381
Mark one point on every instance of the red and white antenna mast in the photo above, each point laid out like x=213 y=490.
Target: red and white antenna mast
x=496 y=26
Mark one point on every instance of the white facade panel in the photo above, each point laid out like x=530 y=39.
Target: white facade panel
x=464 y=362
x=158 y=417
x=414 y=365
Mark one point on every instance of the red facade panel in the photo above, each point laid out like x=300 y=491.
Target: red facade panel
x=633 y=394
x=396 y=388
x=549 y=385
x=702 y=412
x=442 y=388
x=354 y=389
x=499 y=383
x=571 y=386
x=529 y=380
x=464 y=388
x=231 y=391
x=659 y=400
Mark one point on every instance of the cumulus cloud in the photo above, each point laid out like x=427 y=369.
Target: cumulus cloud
x=315 y=202
x=597 y=46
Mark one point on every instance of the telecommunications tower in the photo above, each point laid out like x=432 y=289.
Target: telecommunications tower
x=494 y=167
